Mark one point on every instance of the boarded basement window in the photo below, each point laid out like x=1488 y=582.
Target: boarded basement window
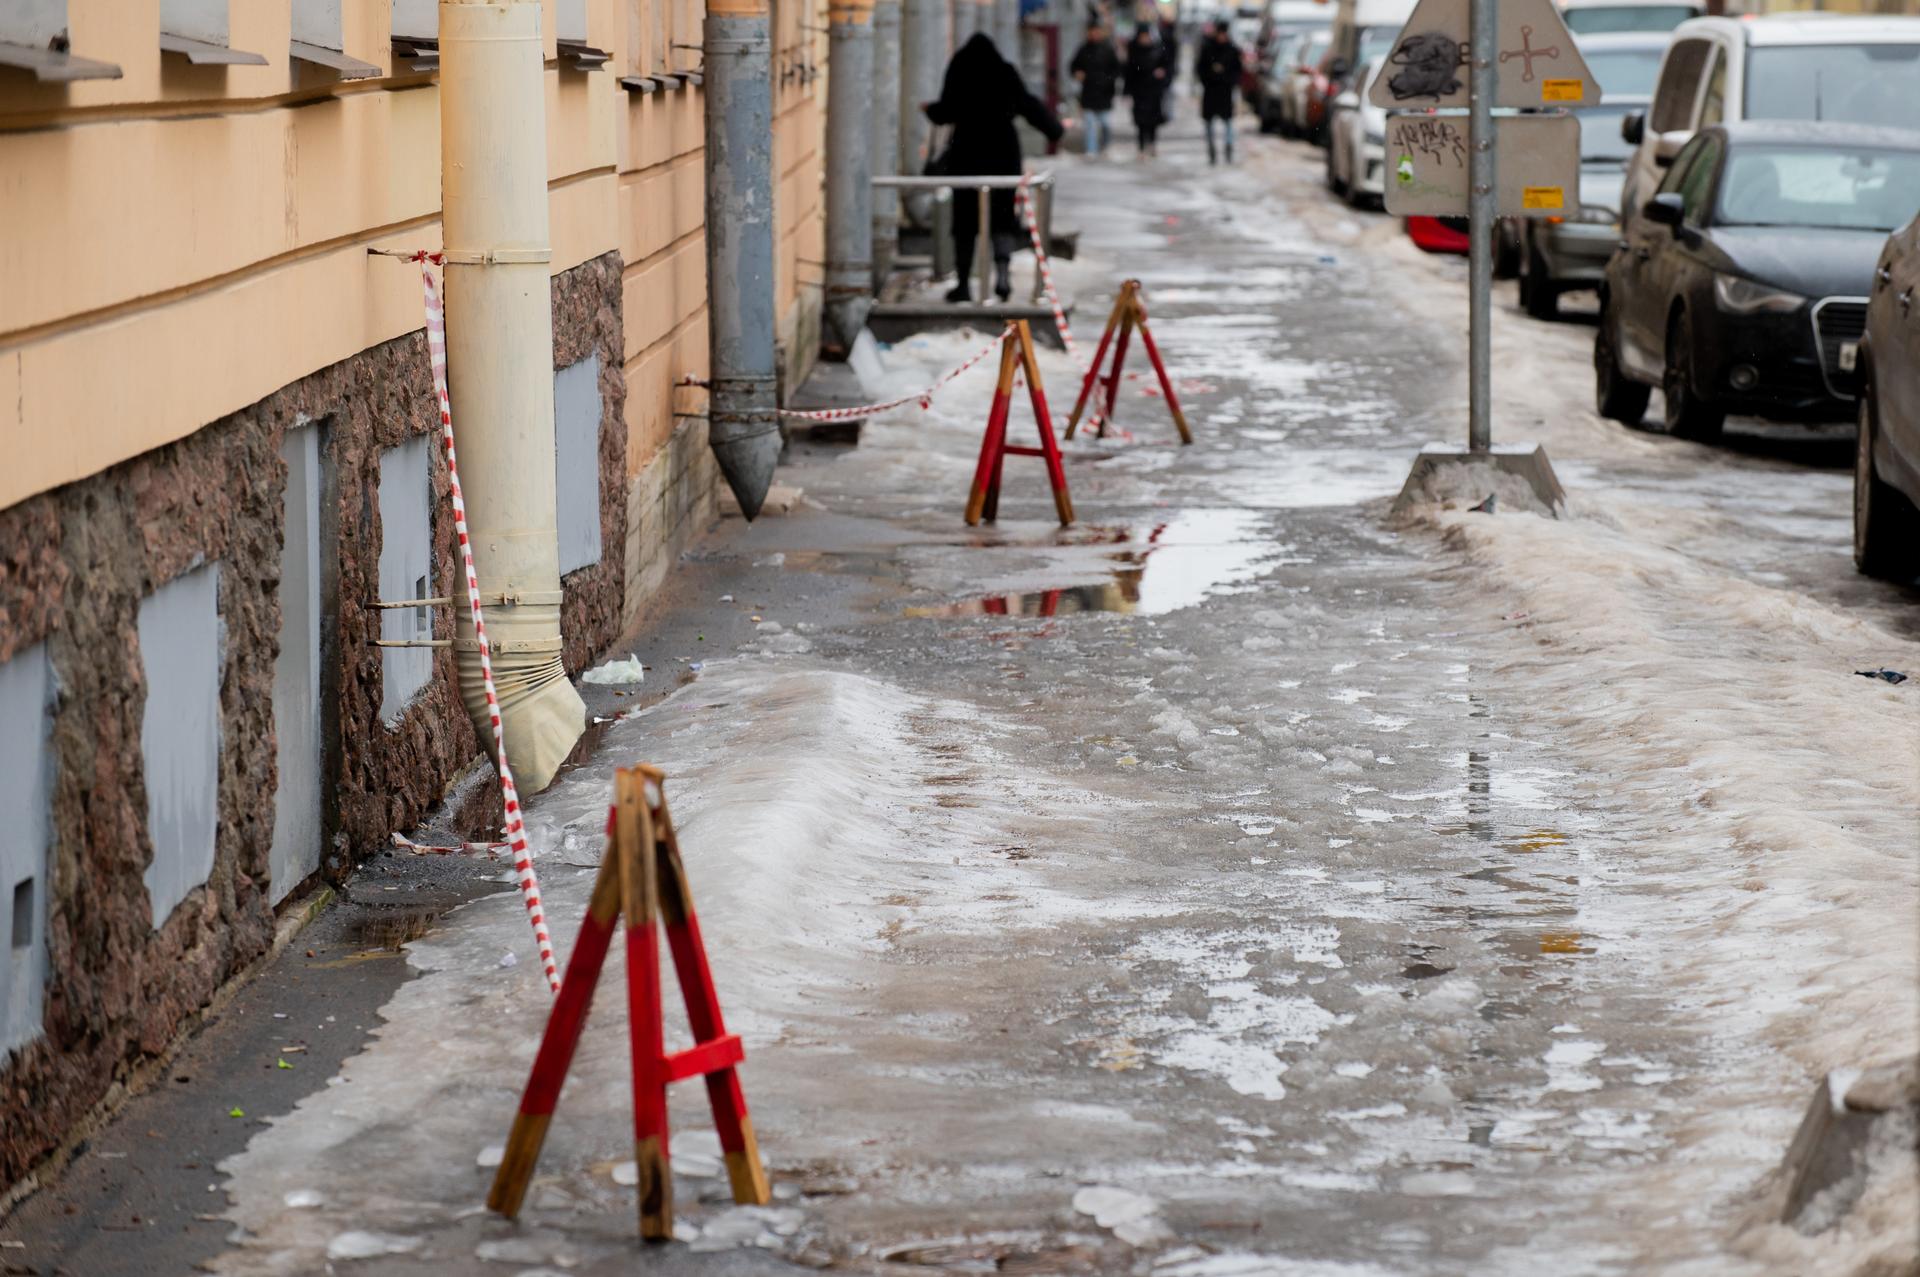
x=26 y=775
x=576 y=462
x=180 y=640
x=406 y=570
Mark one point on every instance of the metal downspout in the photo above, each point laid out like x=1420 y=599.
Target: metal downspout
x=884 y=134
x=493 y=175
x=743 y=427
x=849 y=184
x=923 y=60
x=1006 y=31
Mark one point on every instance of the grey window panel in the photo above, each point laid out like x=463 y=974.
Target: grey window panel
x=416 y=18
x=26 y=781
x=50 y=66
x=317 y=22
x=576 y=458
x=406 y=557
x=298 y=812
x=205 y=53
x=334 y=60
x=570 y=20
x=418 y=54
x=581 y=56
x=38 y=24
x=180 y=640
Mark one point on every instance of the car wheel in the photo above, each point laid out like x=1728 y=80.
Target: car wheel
x=1616 y=396
x=1688 y=415
x=1539 y=295
x=1886 y=527
x=1506 y=255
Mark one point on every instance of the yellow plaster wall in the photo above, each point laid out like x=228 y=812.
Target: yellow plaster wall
x=183 y=241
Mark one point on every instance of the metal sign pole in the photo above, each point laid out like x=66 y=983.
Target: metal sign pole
x=1484 y=37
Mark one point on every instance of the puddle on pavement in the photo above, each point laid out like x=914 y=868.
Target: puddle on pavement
x=1153 y=568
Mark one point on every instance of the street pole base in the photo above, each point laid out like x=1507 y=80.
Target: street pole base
x=1445 y=473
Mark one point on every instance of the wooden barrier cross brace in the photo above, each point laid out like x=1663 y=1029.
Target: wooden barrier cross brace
x=1129 y=313
x=641 y=879
x=983 y=502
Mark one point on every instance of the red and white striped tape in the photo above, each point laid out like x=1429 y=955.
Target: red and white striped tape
x=510 y=796
x=923 y=397
x=1023 y=204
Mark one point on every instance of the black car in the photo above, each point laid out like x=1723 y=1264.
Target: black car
x=1743 y=287
x=1886 y=469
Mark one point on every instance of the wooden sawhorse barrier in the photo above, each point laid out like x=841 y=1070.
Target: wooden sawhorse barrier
x=983 y=502
x=1129 y=312
x=641 y=879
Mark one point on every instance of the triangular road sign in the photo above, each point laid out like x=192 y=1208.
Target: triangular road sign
x=1539 y=65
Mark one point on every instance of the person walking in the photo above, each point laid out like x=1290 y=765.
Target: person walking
x=1096 y=69
x=980 y=98
x=1218 y=66
x=1146 y=81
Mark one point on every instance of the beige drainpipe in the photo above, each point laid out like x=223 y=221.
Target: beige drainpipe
x=493 y=178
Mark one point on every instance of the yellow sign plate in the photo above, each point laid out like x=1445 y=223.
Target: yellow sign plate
x=1553 y=197
x=1561 y=90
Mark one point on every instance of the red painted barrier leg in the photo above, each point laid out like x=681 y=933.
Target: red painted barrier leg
x=728 y=1100
x=558 y=1044
x=994 y=441
x=1093 y=369
x=1166 y=382
x=1049 y=448
x=1119 y=365
x=639 y=891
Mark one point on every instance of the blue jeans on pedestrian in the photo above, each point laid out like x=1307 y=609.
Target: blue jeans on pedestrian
x=1099 y=129
x=1227 y=124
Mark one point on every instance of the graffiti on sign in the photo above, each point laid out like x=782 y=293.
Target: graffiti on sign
x=1527 y=53
x=1428 y=64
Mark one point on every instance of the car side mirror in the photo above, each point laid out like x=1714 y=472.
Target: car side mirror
x=1666 y=208
x=1666 y=146
x=1633 y=127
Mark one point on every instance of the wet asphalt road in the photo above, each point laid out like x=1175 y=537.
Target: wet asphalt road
x=1211 y=902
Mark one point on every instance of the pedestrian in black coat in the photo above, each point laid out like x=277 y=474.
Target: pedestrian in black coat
x=1147 y=76
x=981 y=97
x=1096 y=67
x=1218 y=66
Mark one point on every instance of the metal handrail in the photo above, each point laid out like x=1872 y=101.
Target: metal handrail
x=984 y=184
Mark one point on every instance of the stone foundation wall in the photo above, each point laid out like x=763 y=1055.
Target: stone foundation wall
x=74 y=565
x=672 y=500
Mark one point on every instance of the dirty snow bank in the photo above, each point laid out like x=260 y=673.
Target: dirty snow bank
x=1786 y=791
x=807 y=806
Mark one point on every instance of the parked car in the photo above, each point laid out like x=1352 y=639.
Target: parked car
x=1856 y=70
x=1363 y=30
x=1556 y=255
x=1743 y=286
x=1886 y=467
x=1357 y=141
x=1604 y=17
x=1276 y=63
x=1439 y=234
x=1285 y=24
x=1296 y=89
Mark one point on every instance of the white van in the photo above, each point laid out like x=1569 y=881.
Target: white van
x=1855 y=70
x=1610 y=17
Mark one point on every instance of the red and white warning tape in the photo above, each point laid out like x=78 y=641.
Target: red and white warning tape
x=1023 y=204
x=923 y=397
x=510 y=796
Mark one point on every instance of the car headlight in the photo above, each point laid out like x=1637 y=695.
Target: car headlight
x=1594 y=215
x=1747 y=297
x=1376 y=139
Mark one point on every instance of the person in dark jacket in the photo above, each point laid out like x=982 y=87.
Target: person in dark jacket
x=1147 y=87
x=1217 y=66
x=1096 y=69
x=980 y=98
